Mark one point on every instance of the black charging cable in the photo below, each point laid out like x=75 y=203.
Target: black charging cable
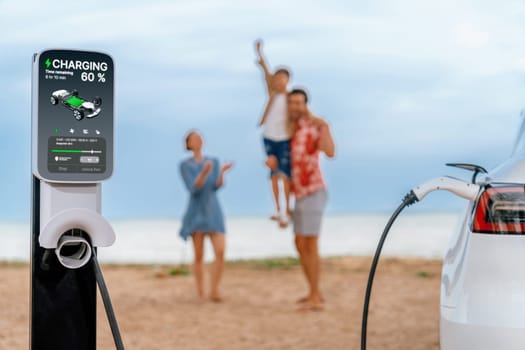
x=107 y=303
x=409 y=199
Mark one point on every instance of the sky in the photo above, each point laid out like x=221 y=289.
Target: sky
x=406 y=86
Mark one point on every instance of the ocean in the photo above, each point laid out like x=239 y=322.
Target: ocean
x=157 y=241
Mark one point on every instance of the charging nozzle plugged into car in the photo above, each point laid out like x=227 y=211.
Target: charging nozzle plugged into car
x=460 y=188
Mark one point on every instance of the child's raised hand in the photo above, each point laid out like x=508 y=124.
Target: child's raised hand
x=258 y=46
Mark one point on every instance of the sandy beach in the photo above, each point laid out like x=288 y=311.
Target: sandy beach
x=157 y=308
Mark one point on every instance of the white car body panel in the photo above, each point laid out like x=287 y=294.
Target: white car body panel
x=483 y=278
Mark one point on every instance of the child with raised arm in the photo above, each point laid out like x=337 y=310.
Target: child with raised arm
x=276 y=133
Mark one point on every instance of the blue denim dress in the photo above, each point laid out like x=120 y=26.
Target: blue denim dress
x=203 y=213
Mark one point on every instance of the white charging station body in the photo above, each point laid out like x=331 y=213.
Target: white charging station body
x=72 y=153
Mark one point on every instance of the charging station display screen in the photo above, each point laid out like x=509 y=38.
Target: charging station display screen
x=73 y=116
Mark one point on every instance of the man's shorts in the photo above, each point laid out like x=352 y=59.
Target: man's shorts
x=281 y=151
x=308 y=213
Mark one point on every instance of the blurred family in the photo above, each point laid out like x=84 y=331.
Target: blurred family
x=293 y=140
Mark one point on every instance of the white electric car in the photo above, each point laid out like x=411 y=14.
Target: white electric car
x=483 y=279
x=79 y=106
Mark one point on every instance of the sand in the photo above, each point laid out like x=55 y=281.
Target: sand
x=156 y=310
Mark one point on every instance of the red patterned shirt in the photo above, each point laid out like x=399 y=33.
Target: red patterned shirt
x=306 y=172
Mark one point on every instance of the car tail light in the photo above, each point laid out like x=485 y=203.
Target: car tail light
x=501 y=210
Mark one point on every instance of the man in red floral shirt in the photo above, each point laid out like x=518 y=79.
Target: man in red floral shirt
x=311 y=137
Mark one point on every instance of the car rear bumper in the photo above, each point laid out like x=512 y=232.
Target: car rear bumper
x=462 y=336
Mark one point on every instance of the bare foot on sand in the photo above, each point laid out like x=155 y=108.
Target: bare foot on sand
x=311 y=303
x=306 y=298
x=216 y=298
x=308 y=306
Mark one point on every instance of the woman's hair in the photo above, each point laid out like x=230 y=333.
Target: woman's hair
x=187 y=138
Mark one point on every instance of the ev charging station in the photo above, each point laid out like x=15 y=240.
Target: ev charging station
x=72 y=153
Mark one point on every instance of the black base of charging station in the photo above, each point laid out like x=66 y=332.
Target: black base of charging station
x=63 y=301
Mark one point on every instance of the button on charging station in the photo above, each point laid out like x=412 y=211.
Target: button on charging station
x=91 y=160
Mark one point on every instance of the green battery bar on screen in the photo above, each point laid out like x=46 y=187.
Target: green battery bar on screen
x=75 y=151
x=66 y=151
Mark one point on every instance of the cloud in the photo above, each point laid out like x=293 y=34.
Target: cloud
x=471 y=37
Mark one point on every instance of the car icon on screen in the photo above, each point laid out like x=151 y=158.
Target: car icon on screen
x=80 y=107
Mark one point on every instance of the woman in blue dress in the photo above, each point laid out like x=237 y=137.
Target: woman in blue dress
x=203 y=176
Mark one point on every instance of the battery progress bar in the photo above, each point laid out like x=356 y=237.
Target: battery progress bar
x=75 y=151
